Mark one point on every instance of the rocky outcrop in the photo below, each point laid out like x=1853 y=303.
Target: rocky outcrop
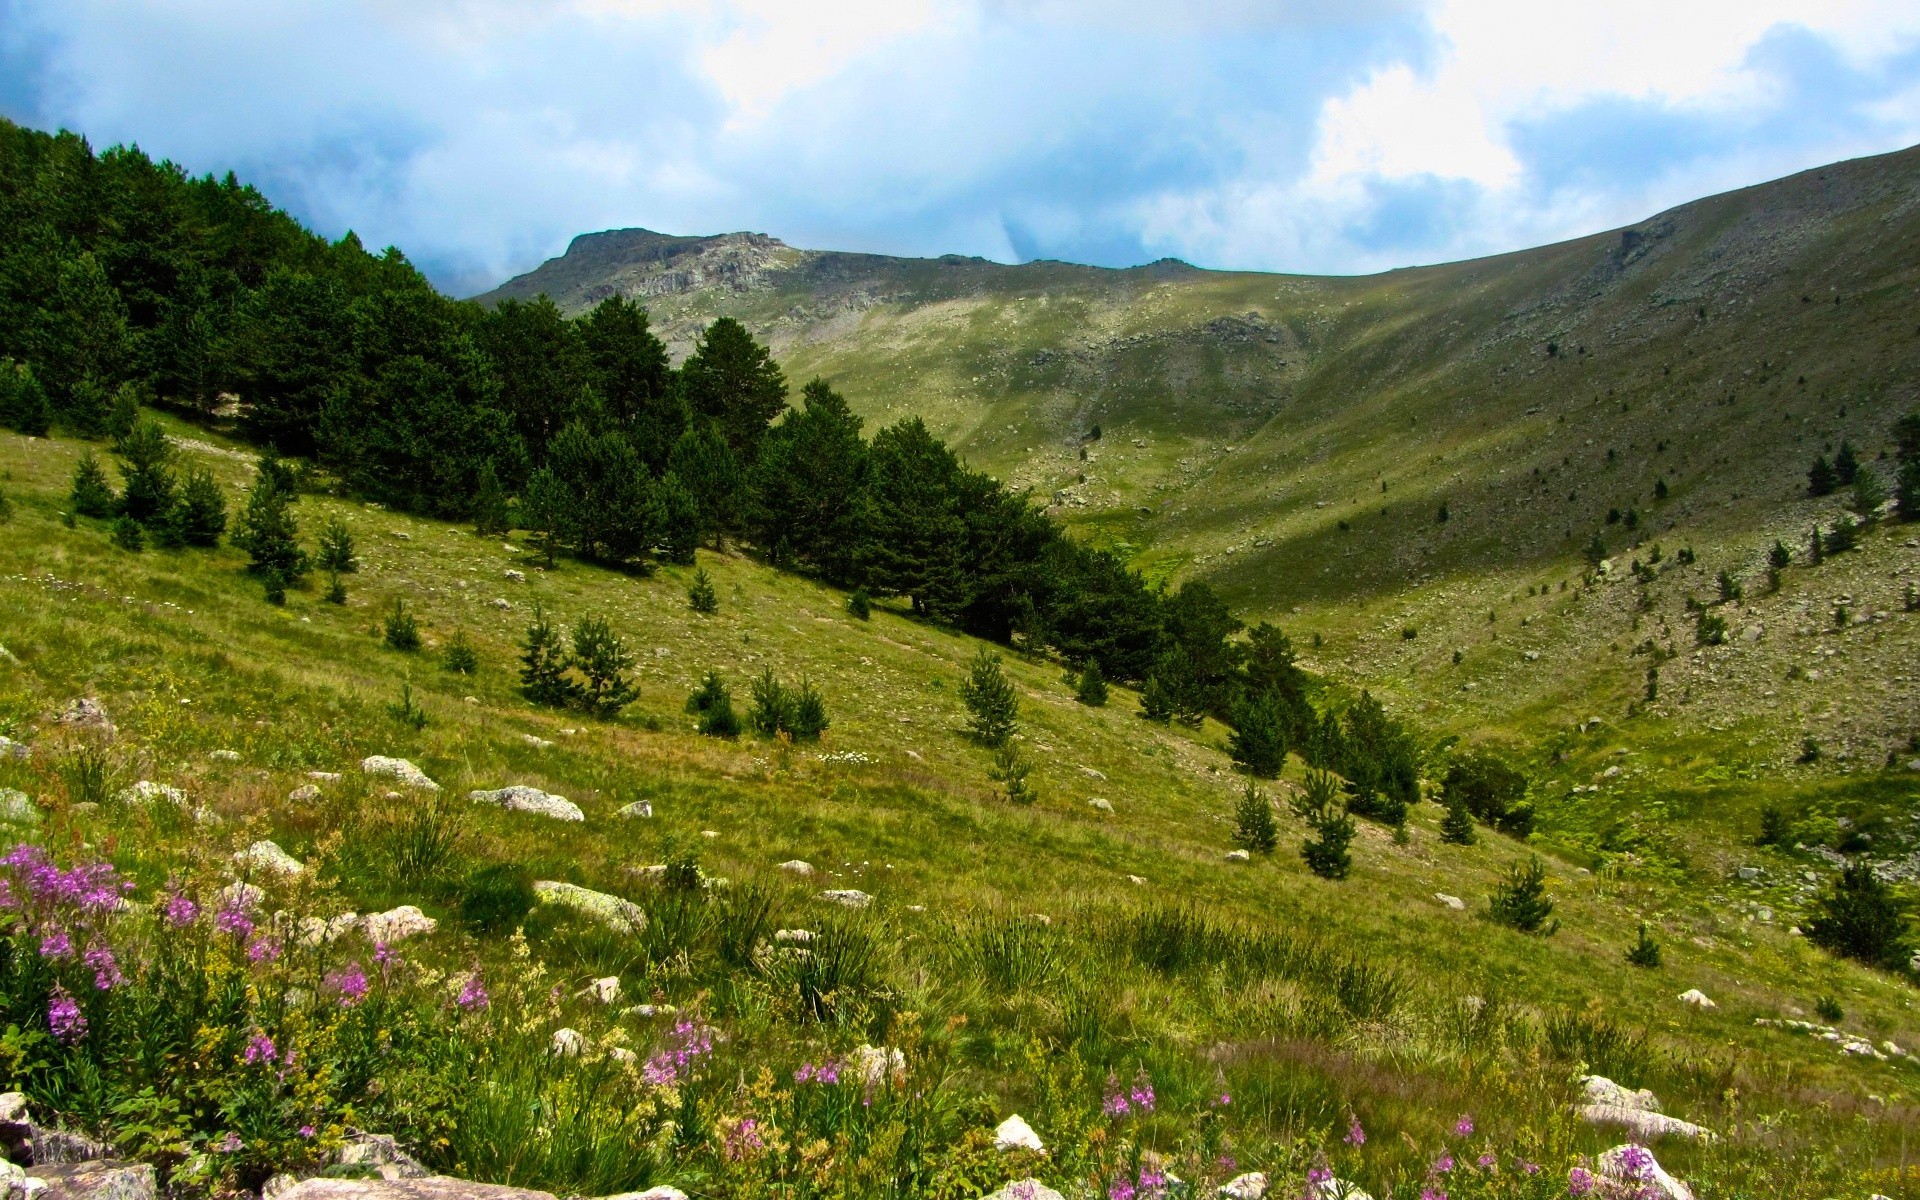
x=96 y=1179
x=846 y=897
x=1015 y=1134
x=397 y=925
x=400 y=769
x=520 y=798
x=623 y=916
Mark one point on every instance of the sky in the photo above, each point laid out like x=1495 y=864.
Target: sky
x=1317 y=136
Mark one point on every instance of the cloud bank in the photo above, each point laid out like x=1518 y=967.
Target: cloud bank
x=1294 y=135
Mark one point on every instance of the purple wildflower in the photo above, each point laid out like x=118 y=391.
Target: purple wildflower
x=1223 y=1100
x=1428 y=1193
x=1152 y=1181
x=688 y=1044
x=1316 y=1176
x=55 y=943
x=473 y=994
x=106 y=969
x=180 y=911
x=234 y=921
x=1443 y=1164
x=1463 y=1127
x=306 y=1131
x=7 y=898
x=1121 y=1189
x=1114 y=1103
x=260 y=1048
x=262 y=950
x=230 y=1144
x=743 y=1139
x=1487 y=1162
x=350 y=983
x=1356 y=1136
x=1142 y=1094
x=64 y=1017
x=1636 y=1161
x=1529 y=1168
x=1580 y=1182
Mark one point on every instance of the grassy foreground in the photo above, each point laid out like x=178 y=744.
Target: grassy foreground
x=1041 y=960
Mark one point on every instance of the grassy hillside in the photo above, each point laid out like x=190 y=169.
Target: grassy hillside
x=1293 y=440
x=1026 y=953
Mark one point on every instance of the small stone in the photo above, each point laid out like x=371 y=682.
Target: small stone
x=516 y=576
x=875 y=1065
x=1239 y=856
x=1015 y=1134
x=1101 y=803
x=13 y=1108
x=1090 y=773
x=17 y=808
x=797 y=866
x=520 y=798
x=225 y=756
x=1025 y=1189
x=538 y=743
x=146 y=792
x=502 y=603
x=398 y=768
x=1697 y=998
x=639 y=808
x=1748 y=873
x=304 y=793
x=268 y=856
x=709 y=833
x=847 y=897
x=606 y=990
x=324 y=776
x=1250 y=1186
x=1137 y=880
x=793 y=937
x=1453 y=902
x=397 y=925
x=85 y=712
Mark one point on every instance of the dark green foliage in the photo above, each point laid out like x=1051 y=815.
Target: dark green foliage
x=543 y=510
x=128 y=535
x=860 y=604
x=337 y=553
x=806 y=485
x=1821 y=477
x=497 y=897
x=1816 y=548
x=1660 y=489
x=199 y=513
x=1779 y=558
x=407 y=710
x=1906 y=457
x=92 y=495
x=123 y=416
x=1010 y=770
x=772 y=708
x=988 y=694
x=267 y=529
x=808 y=717
x=460 y=656
x=1710 y=629
x=1842 y=536
x=610 y=510
x=1155 y=704
x=708 y=468
x=1809 y=752
x=400 y=629
x=732 y=380
x=336 y=592
x=147 y=464
x=1828 y=1009
x=1773 y=827
x=1378 y=757
x=1259 y=742
x=1091 y=688
x=490 y=515
x=23 y=402
x=701 y=597
x=1521 y=902
x=1253 y=826
x=1729 y=588
x=6 y=509
x=543 y=664
x=603 y=659
x=1846 y=465
x=1596 y=551
x=1858 y=917
x=1456 y=825
x=1869 y=493
x=712 y=703
x=1492 y=791
x=679 y=521
x=1645 y=952
x=1326 y=853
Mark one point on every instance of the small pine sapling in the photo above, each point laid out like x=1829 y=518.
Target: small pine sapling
x=1828 y=1009
x=1644 y=952
x=1156 y=704
x=1773 y=827
x=772 y=706
x=603 y=658
x=1859 y=917
x=337 y=553
x=701 y=597
x=1253 y=826
x=401 y=630
x=1318 y=804
x=860 y=604
x=490 y=515
x=1010 y=770
x=1259 y=742
x=544 y=508
x=1710 y=629
x=1521 y=902
x=712 y=703
x=1091 y=689
x=1869 y=493
x=543 y=664
x=408 y=711
x=128 y=535
x=336 y=588
x=990 y=699
x=268 y=531
x=92 y=495
x=199 y=514
x=1729 y=588
x=808 y=717
x=1456 y=824
x=461 y=658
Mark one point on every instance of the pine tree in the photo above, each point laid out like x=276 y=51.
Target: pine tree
x=701 y=597
x=543 y=664
x=733 y=381
x=543 y=510
x=1326 y=853
x=148 y=467
x=1456 y=826
x=1259 y=742
x=772 y=707
x=1816 y=548
x=860 y=604
x=1645 y=952
x=1521 y=901
x=1858 y=917
x=337 y=554
x=1779 y=558
x=1821 y=478
x=24 y=407
x=603 y=658
x=268 y=531
x=712 y=703
x=1155 y=704
x=1906 y=456
x=1091 y=689
x=199 y=515
x=1846 y=465
x=401 y=630
x=1869 y=493
x=989 y=697
x=92 y=495
x=1842 y=536
x=123 y=416
x=679 y=520
x=1010 y=770
x=707 y=467
x=1253 y=822
x=460 y=656
x=1729 y=588
x=1596 y=551
x=490 y=515
x=128 y=535
x=807 y=719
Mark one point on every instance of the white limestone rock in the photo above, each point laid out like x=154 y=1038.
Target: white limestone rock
x=1635 y=1166
x=400 y=769
x=1025 y=1189
x=147 y=791
x=875 y=1065
x=622 y=916
x=847 y=897
x=1015 y=1134
x=1696 y=998
x=1250 y=1186
x=17 y=808
x=638 y=809
x=567 y=1043
x=1239 y=856
x=268 y=856
x=795 y=866
x=397 y=925
x=521 y=798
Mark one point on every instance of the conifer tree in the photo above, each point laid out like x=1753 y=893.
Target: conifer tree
x=712 y=703
x=460 y=657
x=128 y=535
x=1091 y=689
x=679 y=520
x=337 y=552
x=148 y=467
x=1645 y=952
x=1326 y=853
x=807 y=718
x=1456 y=825
x=733 y=381
x=1010 y=770
x=490 y=515
x=1821 y=479
x=123 y=416
x=1858 y=917
x=1846 y=465
x=990 y=699
x=543 y=664
x=1729 y=587
x=24 y=407
x=543 y=511
x=708 y=469
x=860 y=604
x=402 y=630
x=1596 y=551
x=701 y=596
x=603 y=658
x=1816 y=548
x=1906 y=457
x=268 y=531
x=1869 y=493
x=92 y=495
x=1155 y=704
x=772 y=708
x=1253 y=822
x=1259 y=742
x=199 y=515
x=1521 y=902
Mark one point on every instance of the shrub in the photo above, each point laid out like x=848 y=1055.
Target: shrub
x=772 y=706
x=1730 y=590
x=990 y=699
x=128 y=535
x=402 y=632
x=543 y=664
x=1710 y=629
x=408 y=711
x=1091 y=689
x=1773 y=827
x=1010 y=770
x=701 y=597
x=1645 y=952
x=199 y=514
x=808 y=719
x=490 y=514
x=1493 y=791
x=1259 y=742
x=603 y=659
x=461 y=658
x=1828 y=1009
x=496 y=898
x=1253 y=827
x=1521 y=901
x=337 y=554
x=1858 y=917
x=1156 y=704
x=860 y=604
x=1843 y=536
x=713 y=704
x=336 y=592
x=92 y=495
x=1456 y=824
x=23 y=402
x=1326 y=853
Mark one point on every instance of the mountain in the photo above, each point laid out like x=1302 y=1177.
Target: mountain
x=1361 y=457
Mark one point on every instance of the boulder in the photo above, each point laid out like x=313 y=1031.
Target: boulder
x=17 y=808
x=1635 y=1166
x=383 y=1153
x=663 y=1192
x=63 y=1146
x=324 y=776
x=428 y=1187
x=1239 y=856
x=305 y=793
x=606 y=990
x=1025 y=1189
x=639 y=808
x=1015 y=1134
x=12 y=749
x=278 y=1186
x=793 y=937
x=1453 y=902
x=521 y=798
x=1642 y=1123
x=268 y=856
x=623 y=916
x=875 y=1065
x=846 y=897
x=538 y=743
x=1250 y=1186
x=567 y=1043
x=400 y=769
x=1696 y=998
x=99 y=1179
x=1100 y=804
x=321 y=931
x=1598 y=1089
x=796 y=866
x=224 y=755
x=397 y=925
x=147 y=791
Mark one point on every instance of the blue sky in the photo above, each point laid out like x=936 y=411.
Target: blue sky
x=1297 y=135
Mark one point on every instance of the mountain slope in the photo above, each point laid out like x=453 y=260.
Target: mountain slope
x=1294 y=440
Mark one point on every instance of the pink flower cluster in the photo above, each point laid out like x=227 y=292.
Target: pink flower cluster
x=473 y=994
x=64 y=1017
x=1119 y=1101
x=349 y=983
x=89 y=888
x=827 y=1072
x=686 y=1046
